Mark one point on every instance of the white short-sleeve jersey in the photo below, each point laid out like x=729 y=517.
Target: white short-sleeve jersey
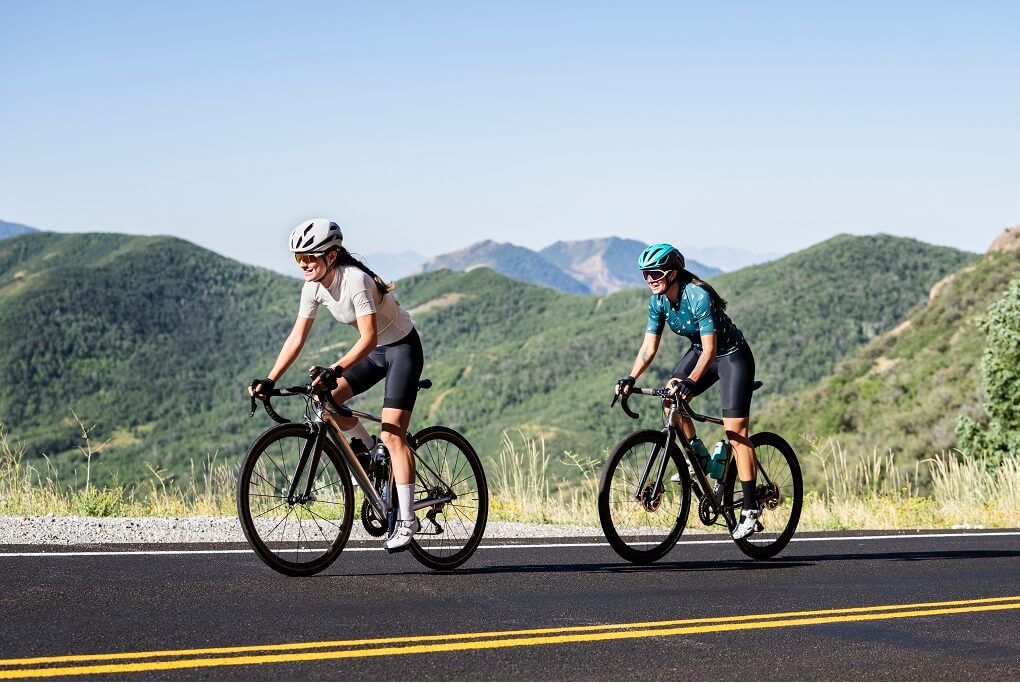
x=353 y=293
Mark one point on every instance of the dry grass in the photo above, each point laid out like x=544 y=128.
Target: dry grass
x=867 y=492
x=25 y=490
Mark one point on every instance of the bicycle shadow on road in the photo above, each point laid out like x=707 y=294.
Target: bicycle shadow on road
x=621 y=567
x=972 y=554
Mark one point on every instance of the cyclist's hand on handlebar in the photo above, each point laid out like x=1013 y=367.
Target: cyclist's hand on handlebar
x=258 y=388
x=624 y=386
x=325 y=377
x=684 y=389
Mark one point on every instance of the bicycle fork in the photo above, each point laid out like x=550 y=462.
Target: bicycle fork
x=313 y=451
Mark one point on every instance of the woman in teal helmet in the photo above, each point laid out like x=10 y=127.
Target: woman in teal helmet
x=718 y=352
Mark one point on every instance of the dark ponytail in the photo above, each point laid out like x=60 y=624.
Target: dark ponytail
x=345 y=258
x=688 y=276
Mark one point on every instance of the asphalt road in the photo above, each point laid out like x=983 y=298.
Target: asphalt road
x=921 y=606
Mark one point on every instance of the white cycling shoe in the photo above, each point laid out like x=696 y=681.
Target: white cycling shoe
x=748 y=523
x=402 y=535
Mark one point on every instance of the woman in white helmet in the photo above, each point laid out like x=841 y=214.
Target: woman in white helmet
x=388 y=347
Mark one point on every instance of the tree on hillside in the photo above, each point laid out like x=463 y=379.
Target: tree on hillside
x=1000 y=379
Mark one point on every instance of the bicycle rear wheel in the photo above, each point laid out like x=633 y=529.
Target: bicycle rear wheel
x=780 y=492
x=300 y=537
x=446 y=464
x=642 y=521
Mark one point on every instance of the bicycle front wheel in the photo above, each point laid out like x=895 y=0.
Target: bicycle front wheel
x=780 y=493
x=642 y=516
x=446 y=465
x=298 y=535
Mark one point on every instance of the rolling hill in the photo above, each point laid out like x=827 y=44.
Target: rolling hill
x=153 y=340
x=905 y=389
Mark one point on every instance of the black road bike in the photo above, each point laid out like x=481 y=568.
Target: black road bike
x=646 y=486
x=296 y=499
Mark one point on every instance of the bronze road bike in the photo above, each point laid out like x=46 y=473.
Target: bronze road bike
x=296 y=499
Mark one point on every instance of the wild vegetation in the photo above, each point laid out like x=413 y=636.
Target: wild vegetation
x=1000 y=381
x=152 y=340
x=906 y=389
x=862 y=492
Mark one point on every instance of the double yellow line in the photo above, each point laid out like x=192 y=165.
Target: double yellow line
x=147 y=661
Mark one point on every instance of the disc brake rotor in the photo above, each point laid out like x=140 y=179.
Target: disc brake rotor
x=650 y=499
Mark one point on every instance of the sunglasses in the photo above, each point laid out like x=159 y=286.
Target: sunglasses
x=307 y=256
x=654 y=275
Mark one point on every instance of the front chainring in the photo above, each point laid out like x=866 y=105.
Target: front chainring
x=373 y=525
x=706 y=512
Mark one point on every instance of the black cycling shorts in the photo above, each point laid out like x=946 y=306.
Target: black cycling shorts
x=401 y=363
x=736 y=370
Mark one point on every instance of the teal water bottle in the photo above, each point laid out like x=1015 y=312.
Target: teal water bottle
x=704 y=458
x=719 y=457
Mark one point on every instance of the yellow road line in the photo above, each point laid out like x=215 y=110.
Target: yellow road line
x=485 y=640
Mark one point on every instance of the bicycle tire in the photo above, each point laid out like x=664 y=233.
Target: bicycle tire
x=781 y=507
x=262 y=484
x=643 y=530
x=445 y=461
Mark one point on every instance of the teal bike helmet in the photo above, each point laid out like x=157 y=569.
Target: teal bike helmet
x=661 y=255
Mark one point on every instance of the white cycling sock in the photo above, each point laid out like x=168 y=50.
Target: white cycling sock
x=361 y=433
x=405 y=497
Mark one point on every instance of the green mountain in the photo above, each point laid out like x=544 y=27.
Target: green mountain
x=154 y=339
x=905 y=388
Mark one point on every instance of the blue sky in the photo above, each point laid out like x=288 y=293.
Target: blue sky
x=428 y=126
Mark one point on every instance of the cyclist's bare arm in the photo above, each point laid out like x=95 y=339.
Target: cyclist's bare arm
x=291 y=348
x=645 y=356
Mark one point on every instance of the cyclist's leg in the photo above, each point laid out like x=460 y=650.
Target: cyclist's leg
x=404 y=364
x=736 y=372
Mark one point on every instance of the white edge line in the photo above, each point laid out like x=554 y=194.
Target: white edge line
x=211 y=552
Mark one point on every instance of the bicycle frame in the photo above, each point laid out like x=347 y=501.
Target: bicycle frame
x=323 y=429
x=676 y=438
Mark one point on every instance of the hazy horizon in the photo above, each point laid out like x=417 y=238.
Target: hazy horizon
x=427 y=128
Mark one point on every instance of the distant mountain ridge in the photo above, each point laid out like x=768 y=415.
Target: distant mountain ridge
x=8 y=229
x=588 y=267
x=511 y=260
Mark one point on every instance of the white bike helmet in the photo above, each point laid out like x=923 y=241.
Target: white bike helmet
x=315 y=235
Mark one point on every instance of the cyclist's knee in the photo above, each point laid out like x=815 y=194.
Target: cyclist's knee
x=391 y=436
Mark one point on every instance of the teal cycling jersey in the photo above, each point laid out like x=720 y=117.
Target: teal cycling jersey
x=695 y=315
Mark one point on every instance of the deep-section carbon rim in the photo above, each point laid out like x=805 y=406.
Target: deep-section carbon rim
x=780 y=491
x=641 y=520
x=445 y=462
x=301 y=536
